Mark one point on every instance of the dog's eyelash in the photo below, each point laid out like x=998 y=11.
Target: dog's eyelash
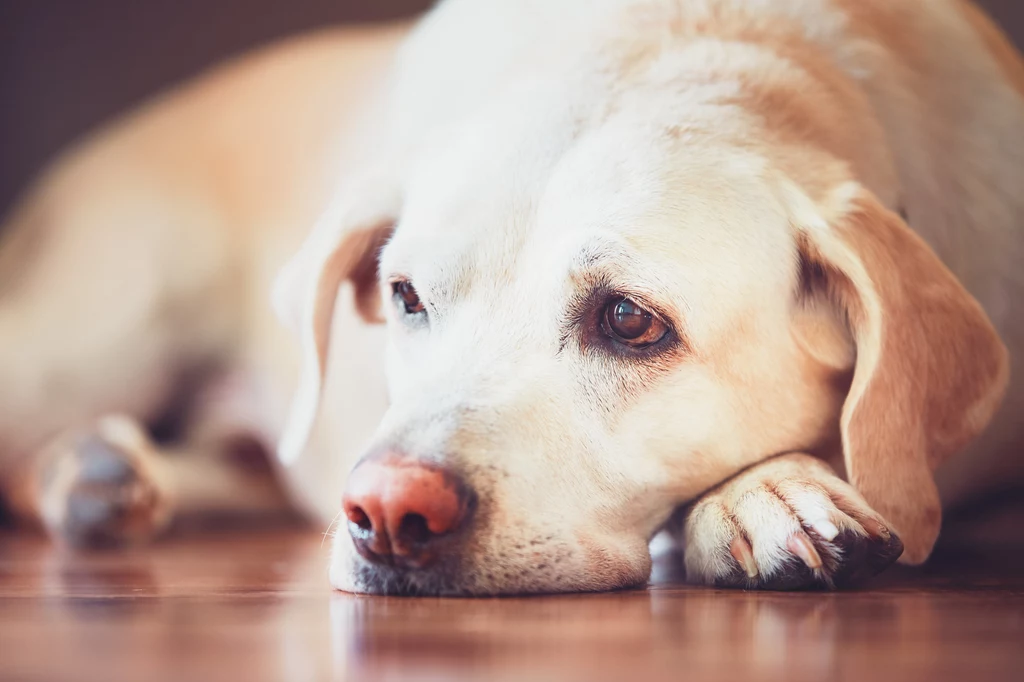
x=578 y=311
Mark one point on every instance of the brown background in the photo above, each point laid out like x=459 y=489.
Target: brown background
x=66 y=65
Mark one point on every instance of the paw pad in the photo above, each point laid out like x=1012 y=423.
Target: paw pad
x=98 y=493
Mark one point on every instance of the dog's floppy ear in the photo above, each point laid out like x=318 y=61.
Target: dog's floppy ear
x=930 y=369
x=344 y=246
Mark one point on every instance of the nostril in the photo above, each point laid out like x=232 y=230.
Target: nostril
x=405 y=514
x=357 y=516
x=414 y=529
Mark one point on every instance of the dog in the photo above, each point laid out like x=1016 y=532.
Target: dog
x=744 y=272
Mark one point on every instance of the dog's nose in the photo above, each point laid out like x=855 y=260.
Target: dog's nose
x=400 y=513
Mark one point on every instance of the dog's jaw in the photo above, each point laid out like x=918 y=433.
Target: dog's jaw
x=519 y=569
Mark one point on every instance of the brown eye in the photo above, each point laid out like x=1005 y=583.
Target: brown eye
x=405 y=291
x=628 y=323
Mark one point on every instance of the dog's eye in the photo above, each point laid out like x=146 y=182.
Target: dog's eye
x=406 y=293
x=628 y=323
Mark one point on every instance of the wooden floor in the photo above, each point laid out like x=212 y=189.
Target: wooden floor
x=248 y=606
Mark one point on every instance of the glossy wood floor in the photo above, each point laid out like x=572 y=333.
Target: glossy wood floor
x=255 y=606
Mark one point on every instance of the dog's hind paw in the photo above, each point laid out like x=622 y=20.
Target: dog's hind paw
x=788 y=523
x=104 y=487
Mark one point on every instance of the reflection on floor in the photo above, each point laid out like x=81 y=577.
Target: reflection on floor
x=255 y=606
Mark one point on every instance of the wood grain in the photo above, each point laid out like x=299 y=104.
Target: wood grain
x=256 y=606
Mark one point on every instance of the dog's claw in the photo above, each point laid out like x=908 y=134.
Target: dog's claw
x=801 y=545
x=825 y=528
x=741 y=551
x=875 y=529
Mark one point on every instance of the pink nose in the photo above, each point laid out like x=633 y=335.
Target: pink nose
x=400 y=511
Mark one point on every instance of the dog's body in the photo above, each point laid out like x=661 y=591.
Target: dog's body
x=149 y=254
x=205 y=219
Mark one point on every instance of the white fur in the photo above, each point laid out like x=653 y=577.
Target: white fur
x=536 y=151
x=525 y=149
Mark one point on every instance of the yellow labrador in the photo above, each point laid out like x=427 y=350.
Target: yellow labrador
x=757 y=262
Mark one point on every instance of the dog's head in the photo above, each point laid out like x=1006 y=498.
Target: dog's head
x=601 y=303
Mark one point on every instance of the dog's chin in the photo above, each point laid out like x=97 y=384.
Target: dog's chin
x=351 y=573
x=367 y=579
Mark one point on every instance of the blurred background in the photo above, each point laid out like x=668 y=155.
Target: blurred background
x=68 y=65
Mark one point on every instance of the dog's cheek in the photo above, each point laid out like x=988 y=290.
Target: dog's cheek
x=674 y=443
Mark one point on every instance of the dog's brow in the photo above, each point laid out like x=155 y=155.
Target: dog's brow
x=600 y=251
x=442 y=288
x=611 y=264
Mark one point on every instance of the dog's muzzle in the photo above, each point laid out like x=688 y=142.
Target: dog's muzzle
x=406 y=517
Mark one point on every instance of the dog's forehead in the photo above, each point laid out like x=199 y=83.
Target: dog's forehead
x=528 y=184
x=498 y=202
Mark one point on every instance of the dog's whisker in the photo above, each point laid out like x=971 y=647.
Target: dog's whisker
x=329 y=527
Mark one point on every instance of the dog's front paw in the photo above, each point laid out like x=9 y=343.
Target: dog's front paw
x=104 y=487
x=788 y=523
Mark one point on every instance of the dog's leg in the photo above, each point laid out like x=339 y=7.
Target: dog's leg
x=115 y=290
x=786 y=523
x=97 y=486
x=111 y=485
x=110 y=291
